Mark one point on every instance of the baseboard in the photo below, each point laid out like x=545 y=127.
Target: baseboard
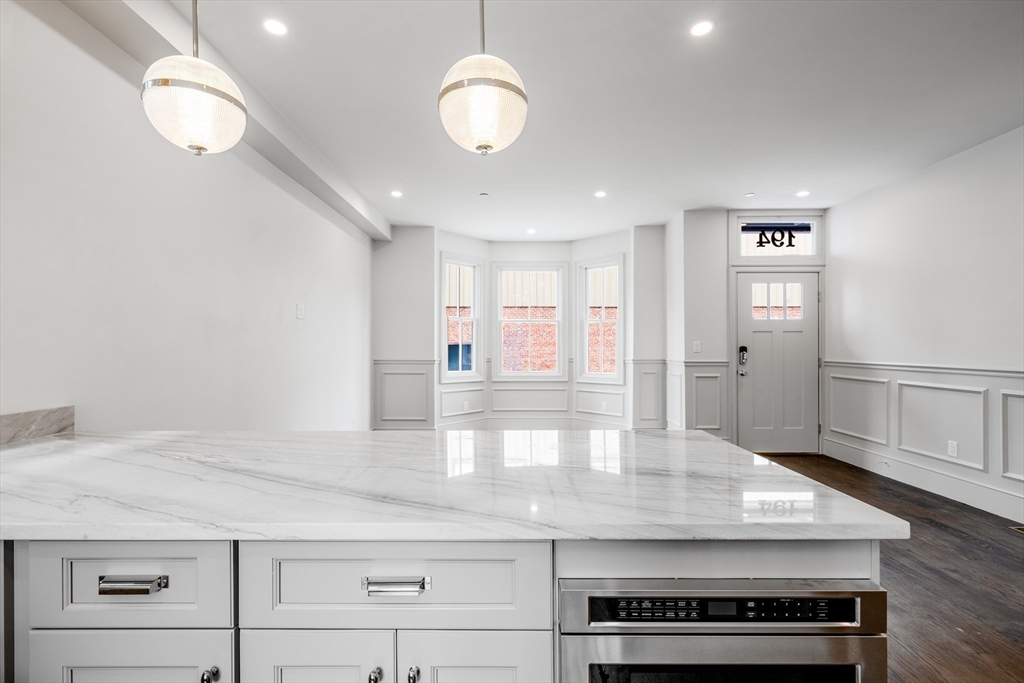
x=970 y=493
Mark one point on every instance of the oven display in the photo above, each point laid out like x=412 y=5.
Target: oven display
x=724 y=610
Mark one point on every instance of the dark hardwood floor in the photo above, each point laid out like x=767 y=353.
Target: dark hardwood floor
x=956 y=588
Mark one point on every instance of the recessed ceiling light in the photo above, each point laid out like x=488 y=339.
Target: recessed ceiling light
x=749 y=194
x=600 y=193
x=701 y=28
x=530 y=231
x=396 y=193
x=802 y=193
x=484 y=194
x=275 y=27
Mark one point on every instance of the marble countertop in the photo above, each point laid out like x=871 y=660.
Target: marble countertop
x=415 y=485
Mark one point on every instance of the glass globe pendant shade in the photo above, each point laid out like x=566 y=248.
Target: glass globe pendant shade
x=194 y=104
x=482 y=104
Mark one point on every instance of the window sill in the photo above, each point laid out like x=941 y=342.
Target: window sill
x=596 y=379
x=474 y=378
x=529 y=378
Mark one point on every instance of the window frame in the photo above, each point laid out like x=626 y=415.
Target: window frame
x=477 y=373
x=583 y=375
x=818 y=233
x=499 y=375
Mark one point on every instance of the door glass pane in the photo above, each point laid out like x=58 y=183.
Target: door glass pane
x=794 y=301
x=777 y=305
x=759 y=298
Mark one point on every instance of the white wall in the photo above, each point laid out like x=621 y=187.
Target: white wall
x=925 y=328
x=706 y=302
x=405 y=328
x=939 y=256
x=675 y=324
x=152 y=289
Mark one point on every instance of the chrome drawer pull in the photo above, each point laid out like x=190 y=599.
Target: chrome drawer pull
x=132 y=585
x=395 y=585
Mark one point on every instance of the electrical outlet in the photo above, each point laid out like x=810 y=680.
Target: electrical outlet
x=696 y=347
x=604 y=406
x=465 y=405
x=300 y=311
x=951 y=448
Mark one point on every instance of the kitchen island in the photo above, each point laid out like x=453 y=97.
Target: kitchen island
x=374 y=555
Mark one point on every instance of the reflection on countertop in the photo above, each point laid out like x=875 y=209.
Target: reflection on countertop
x=416 y=485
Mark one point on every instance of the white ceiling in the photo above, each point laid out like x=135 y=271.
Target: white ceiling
x=834 y=97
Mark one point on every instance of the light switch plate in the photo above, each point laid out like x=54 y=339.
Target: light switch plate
x=951 y=447
x=300 y=311
x=696 y=347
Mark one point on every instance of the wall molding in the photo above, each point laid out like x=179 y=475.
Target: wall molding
x=1004 y=397
x=607 y=392
x=981 y=391
x=703 y=363
x=378 y=361
x=383 y=397
x=933 y=369
x=512 y=390
x=464 y=390
x=718 y=403
x=832 y=412
x=675 y=394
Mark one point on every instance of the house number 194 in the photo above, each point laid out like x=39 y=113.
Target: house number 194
x=779 y=238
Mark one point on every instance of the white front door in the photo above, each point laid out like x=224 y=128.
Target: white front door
x=777 y=326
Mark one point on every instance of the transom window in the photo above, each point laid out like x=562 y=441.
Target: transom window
x=602 y=322
x=529 y=320
x=777 y=301
x=460 y=318
x=777 y=238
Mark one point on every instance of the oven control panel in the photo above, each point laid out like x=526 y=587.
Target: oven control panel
x=610 y=610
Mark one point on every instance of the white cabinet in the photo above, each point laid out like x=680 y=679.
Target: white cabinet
x=130 y=656
x=474 y=585
x=305 y=656
x=300 y=656
x=476 y=656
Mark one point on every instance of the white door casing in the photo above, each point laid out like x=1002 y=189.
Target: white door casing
x=777 y=388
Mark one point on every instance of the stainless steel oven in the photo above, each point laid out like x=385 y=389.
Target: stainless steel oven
x=721 y=631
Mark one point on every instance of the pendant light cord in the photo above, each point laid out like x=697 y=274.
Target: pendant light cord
x=195 y=27
x=483 y=43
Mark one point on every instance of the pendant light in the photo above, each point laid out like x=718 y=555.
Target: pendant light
x=192 y=103
x=482 y=101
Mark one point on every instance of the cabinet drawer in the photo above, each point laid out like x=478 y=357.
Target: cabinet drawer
x=65 y=584
x=465 y=585
x=114 y=656
x=313 y=656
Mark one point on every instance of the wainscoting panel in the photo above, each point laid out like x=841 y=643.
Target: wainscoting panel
x=897 y=421
x=859 y=407
x=462 y=401
x=675 y=406
x=608 y=402
x=529 y=399
x=404 y=394
x=706 y=400
x=648 y=381
x=1013 y=434
x=932 y=415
